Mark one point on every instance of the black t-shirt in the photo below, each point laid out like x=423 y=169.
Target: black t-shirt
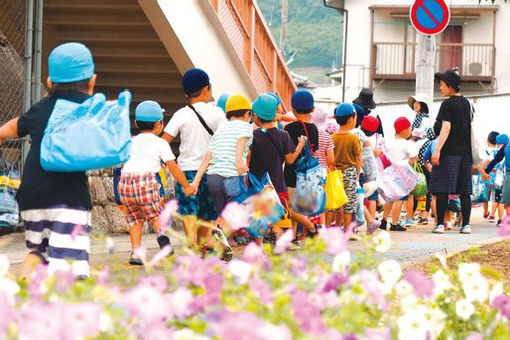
x=41 y=189
x=457 y=111
x=268 y=152
x=295 y=131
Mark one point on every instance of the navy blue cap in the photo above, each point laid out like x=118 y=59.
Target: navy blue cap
x=302 y=100
x=345 y=110
x=194 y=80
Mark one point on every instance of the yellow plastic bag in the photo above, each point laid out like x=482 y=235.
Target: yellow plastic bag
x=335 y=193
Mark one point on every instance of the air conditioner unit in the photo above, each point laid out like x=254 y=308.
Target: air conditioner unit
x=337 y=4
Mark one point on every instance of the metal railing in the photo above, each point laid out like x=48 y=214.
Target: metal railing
x=252 y=40
x=475 y=62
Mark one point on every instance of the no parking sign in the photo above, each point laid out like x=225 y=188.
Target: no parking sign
x=430 y=16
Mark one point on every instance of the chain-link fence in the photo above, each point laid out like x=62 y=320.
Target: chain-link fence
x=12 y=70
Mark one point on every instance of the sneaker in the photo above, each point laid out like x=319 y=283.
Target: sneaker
x=465 y=229
x=423 y=221
x=409 y=223
x=220 y=236
x=447 y=226
x=397 y=227
x=492 y=219
x=383 y=225
x=485 y=216
x=371 y=227
x=355 y=236
x=134 y=260
x=499 y=223
x=438 y=229
x=164 y=241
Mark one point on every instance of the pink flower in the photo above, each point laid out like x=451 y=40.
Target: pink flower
x=147 y=303
x=165 y=218
x=504 y=229
x=475 y=336
x=157 y=282
x=181 y=302
x=104 y=275
x=80 y=321
x=64 y=279
x=422 y=285
x=299 y=266
x=378 y=334
x=335 y=239
x=156 y=331
x=40 y=321
x=307 y=314
x=7 y=315
x=262 y=289
x=255 y=255
x=235 y=215
x=502 y=303
x=332 y=282
x=284 y=241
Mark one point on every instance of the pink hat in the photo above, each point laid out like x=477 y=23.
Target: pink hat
x=321 y=119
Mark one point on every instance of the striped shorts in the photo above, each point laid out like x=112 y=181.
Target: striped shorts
x=141 y=195
x=60 y=232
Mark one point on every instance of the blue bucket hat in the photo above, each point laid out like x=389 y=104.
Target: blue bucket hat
x=70 y=62
x=222 y=101
x=502 y=139
x=302 y=100
x=194 y=80
x=265 y=107
x=345 y=110
x=149 y=111
x=275 y=96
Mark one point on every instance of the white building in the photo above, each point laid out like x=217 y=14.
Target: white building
x=381 y=46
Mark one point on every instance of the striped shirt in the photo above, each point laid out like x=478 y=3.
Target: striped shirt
x=223 y=147
x=325 y=144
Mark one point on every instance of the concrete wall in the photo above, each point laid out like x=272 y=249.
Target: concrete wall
x=207 y=45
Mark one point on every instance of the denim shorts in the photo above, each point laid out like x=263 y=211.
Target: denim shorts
x=223 y=190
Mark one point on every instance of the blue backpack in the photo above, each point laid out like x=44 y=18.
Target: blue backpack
x=92 y=135
x=310 y=196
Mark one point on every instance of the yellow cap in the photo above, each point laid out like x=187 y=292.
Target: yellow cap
x=237 y=102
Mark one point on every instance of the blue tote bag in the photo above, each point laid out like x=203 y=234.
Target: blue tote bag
x=92 y=135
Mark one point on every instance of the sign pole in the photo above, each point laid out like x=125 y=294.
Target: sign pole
x=425 y=65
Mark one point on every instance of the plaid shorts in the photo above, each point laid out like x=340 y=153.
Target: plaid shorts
x=141 y=195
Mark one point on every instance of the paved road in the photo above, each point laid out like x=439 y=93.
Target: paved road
x=415 y=245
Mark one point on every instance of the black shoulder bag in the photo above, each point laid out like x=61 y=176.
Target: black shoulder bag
x=202 y=121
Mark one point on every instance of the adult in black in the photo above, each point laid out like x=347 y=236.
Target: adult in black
x=452 y=160
x=364 y=104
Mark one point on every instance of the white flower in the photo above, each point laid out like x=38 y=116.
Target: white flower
x=4 y=265
x=404 y=288
x=241 y=270
x=469 y=271
x=382 y=241
x=412 y=325
x=441 y=282
x=9 y=286
x=341 y=261
x=105 y=322
x=496 y=291
x=188 y=334
x=110 y=245
x=442 y=259
x=270 y=331
x=390 y=272
x=436 y=320
x=406 y=293
x=476 y=289
x=464 y=309
x=180 y=300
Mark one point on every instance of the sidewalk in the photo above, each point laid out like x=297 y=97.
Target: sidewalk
x=413 y=246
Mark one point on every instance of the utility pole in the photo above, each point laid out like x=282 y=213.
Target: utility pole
x=425 y=65
x=285 y=20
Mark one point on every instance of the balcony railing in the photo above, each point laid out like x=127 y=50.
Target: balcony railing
x=254 y=44
x=396 y=61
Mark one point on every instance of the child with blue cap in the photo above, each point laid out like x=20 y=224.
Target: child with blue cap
x=138 y=187
x=303 y=104
x=53 y=205
x=195 y=124
x=271 y=149
x=347 y=157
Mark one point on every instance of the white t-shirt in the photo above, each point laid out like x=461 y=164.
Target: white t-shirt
x=401 y=150
x=194 y=137
x=147 y=153
x=360 y=134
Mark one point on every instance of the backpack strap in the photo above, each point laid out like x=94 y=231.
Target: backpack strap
x=312 y=146
x=202 y=121
x=280 y=153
